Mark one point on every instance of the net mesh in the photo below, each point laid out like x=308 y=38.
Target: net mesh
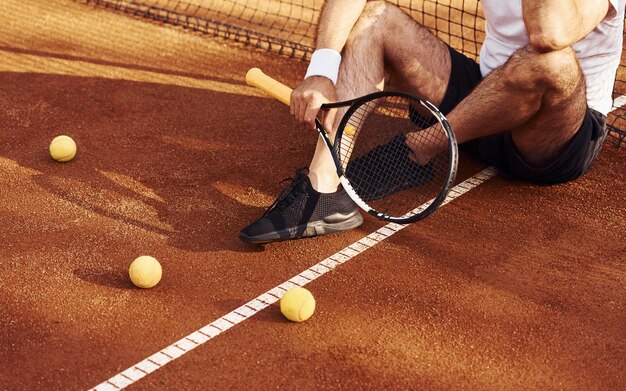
x=288 y=27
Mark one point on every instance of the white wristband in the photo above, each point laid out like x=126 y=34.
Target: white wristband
x=324 y=62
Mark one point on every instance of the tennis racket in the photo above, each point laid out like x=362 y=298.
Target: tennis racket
x=375 y=165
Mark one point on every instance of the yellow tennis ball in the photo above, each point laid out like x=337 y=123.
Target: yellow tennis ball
x=145 y=272
x=62 y=148
x=350 y=130
x=298 y=304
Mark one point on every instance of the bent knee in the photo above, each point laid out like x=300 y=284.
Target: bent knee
x=560 y=67
x=557 y=70
x=375 y=9
x=383 y=14
x=378 y=18
x=368 y=28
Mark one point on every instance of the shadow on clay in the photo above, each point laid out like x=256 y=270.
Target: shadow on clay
x=106 y=277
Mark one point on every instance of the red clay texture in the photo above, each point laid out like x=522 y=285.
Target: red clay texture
x=509 y=286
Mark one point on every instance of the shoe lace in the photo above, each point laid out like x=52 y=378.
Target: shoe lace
x=289 y=193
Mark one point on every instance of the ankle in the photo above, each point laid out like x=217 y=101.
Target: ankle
x=324 y=183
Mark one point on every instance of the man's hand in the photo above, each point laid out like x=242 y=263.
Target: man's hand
x=335 y=23
x=308 y=97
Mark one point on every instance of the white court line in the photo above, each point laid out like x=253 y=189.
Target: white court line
x=199 y=337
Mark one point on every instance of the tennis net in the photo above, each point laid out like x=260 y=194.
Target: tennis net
x=288 y=27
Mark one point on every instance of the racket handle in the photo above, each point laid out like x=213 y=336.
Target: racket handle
x=256 y=78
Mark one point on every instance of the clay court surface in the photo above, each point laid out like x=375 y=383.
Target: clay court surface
x=508 y=286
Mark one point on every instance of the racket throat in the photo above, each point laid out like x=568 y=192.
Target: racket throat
x=356 y=198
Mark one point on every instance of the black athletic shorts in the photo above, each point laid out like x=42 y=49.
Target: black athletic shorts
x=500 y=151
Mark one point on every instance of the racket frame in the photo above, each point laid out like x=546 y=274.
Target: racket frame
x=256 y=78
x=353 y=105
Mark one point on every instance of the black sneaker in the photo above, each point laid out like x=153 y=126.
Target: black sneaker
x=373 y=177
x=300 y=212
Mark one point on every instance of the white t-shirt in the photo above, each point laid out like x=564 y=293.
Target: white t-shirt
x=598 y=53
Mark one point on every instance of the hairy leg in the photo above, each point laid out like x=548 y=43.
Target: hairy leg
x=539 y=97
x=384 y=37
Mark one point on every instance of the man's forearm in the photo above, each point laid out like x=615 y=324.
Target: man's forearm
x=557 y=24
x=336 y=21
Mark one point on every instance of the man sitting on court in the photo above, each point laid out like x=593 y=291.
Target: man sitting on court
x=535 y=107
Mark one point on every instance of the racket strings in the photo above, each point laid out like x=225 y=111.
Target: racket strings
x=382 y=157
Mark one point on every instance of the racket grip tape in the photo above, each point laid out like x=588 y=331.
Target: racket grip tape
x=256 y=78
